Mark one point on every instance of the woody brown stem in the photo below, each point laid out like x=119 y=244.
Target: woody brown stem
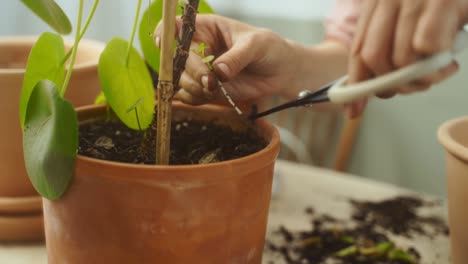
x=165 y=85
x=185 y=39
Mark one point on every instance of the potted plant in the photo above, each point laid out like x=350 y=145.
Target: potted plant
x=98 y=210
x=17 y=195
x=453 y=136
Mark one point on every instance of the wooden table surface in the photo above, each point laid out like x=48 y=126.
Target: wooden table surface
x=297 y=187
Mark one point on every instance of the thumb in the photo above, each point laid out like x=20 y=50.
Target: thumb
x=233 y=61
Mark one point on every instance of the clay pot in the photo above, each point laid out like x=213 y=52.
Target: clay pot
x=454 y=137
x=126 y=213
x=84 y=87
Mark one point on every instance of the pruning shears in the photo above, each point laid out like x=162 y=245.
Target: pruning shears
x=339 y=92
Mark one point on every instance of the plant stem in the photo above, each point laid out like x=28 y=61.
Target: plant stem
x=137 y=118
x=185 y=39
x=83 y=31
x=74 y=50
x=165 y=85
x=135 y=23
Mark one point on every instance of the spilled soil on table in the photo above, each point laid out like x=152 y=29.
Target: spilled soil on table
x=192 y=142
x=363 y=240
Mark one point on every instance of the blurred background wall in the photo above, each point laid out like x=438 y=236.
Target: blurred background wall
x=397 y=142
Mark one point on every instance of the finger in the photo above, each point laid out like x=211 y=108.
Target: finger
x=377 y=48
x=200 y=72
x=189 y=98
x=386 y=94
x=355 y=109
x=244 y=52
x=368 y=7
x=403 y=52
x=413 y=87
x=357 y=70
x=190 y=85
x=159 y=28
x=437 y=27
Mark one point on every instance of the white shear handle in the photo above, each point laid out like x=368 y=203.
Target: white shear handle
x=341 y=93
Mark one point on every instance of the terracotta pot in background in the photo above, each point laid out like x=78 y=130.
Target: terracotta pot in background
x=454 y=137
x=125 y=213
x=84 y=87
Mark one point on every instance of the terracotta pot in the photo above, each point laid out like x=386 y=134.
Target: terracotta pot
x=454 y=137
x=125 y=213
x=84 y=86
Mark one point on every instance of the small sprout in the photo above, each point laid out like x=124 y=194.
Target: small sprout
x=185 y=124
x=348 y=239
x=134 y=107
x=208 y=59
x=384 y=247
x=308 y=241
x=398 y=254
x=178 y=127
x=117 y=133
x=201 y=49
x=347 y=252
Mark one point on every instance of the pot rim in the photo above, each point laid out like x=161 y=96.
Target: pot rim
x=272 y=145
x=91 y=45
x=447 y=140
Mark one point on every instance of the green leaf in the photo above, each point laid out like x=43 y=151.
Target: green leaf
x=347 y=239
x=50 y=140
x=401 y=255
x=201 y=49
x=51 y=13
x=45 y=62
x=148 y=25
x=208 y=59
x=100 y=99
x=347 y=252
x=384 y=247
x=124 y=84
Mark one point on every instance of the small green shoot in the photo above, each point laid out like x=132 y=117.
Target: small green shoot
x=134 y=107
x=347 y=252
x=401 y=255
x=347 y=239
x=208 y=59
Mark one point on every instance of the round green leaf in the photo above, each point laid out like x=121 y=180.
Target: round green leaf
x=51 y=13
x=45 y=62
x=124 y=83
x=50 y=140
x=148 y=25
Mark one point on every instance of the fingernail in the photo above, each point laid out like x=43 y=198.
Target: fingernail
x=157 y=40
x=204 y=81
x=223 y=68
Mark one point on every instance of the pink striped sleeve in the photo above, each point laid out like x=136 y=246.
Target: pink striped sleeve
x=341 y=23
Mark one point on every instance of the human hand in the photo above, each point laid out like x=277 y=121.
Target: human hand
x=394 y=34
x=251 y=62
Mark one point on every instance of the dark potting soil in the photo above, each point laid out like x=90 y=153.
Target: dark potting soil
x=359 y=241
x=191 y=143
x=399 y=216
